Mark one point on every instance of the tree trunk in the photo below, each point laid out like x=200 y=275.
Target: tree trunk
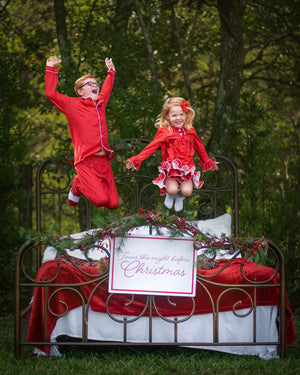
x=231 y=70
x=25 y=205
x=147 y=43
x=184 y=67
x=124 y=66
x=64 y=45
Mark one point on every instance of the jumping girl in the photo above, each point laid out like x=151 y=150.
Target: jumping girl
x=178 y=140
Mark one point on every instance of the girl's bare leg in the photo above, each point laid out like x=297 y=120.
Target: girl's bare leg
x=172 y=188
x=186 y=189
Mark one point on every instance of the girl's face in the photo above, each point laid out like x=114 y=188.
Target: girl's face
x=176 y=116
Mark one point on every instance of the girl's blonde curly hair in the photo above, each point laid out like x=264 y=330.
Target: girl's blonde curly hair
x=163 y=119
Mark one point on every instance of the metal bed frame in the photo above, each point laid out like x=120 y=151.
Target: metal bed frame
x=204 y=201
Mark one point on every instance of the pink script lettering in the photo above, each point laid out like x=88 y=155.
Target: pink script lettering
x=131 y=268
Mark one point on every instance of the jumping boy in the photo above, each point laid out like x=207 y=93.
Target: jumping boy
x=88 y=128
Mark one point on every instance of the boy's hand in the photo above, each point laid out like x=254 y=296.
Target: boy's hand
x=110 y=64
x=53 y=61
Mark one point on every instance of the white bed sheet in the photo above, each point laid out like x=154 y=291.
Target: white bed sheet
x=197 y=329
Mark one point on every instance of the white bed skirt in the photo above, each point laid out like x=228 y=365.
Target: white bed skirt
x=198 y=328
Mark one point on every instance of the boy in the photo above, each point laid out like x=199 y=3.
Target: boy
x=88 y=128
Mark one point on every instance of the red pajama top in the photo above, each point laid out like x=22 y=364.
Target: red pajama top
x=178 y=144
x=87 y=120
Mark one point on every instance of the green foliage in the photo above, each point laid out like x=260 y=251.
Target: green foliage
x=263 y=139
x=267 y=159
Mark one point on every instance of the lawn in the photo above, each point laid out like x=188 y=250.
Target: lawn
x=142 y=361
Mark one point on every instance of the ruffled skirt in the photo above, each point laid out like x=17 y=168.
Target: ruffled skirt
x=176 y=170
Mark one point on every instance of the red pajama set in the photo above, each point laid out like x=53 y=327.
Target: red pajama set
x=88 y=128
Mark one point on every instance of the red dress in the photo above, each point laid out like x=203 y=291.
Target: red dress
x=178 y=147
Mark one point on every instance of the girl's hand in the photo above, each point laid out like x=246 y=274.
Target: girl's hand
x=130 y=165
x=215 y=167
x=110 y=64
x=53 y=61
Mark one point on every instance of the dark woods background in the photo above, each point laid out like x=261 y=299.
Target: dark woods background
x=237 y=62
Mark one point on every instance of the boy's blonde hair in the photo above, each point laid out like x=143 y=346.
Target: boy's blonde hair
x=79 y=82
x=163 y=121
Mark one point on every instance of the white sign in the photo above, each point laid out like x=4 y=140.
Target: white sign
x=154 y=265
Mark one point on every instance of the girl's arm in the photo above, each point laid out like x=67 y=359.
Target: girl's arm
x=205 y=162
x=135 y=161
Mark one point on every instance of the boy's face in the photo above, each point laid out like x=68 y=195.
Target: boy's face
x=89 y=89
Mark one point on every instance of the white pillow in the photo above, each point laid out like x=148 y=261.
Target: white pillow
x=215 y=227
x=94 y=253
x=49 y=254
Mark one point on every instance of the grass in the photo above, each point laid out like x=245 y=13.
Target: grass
x=142 y=361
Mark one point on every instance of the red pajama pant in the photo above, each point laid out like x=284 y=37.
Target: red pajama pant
x=95 y=181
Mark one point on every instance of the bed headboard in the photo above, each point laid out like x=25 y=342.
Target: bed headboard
x=218 y=195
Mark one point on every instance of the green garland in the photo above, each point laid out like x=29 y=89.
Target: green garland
x=254 y=250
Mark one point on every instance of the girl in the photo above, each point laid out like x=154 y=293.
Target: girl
x=178 y=139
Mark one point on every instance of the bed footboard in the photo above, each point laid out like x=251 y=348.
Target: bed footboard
x=221 y=304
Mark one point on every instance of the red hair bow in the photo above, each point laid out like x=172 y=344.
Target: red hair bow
x=184 y=105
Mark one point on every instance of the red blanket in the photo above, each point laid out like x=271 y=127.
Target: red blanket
x=207 y=295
